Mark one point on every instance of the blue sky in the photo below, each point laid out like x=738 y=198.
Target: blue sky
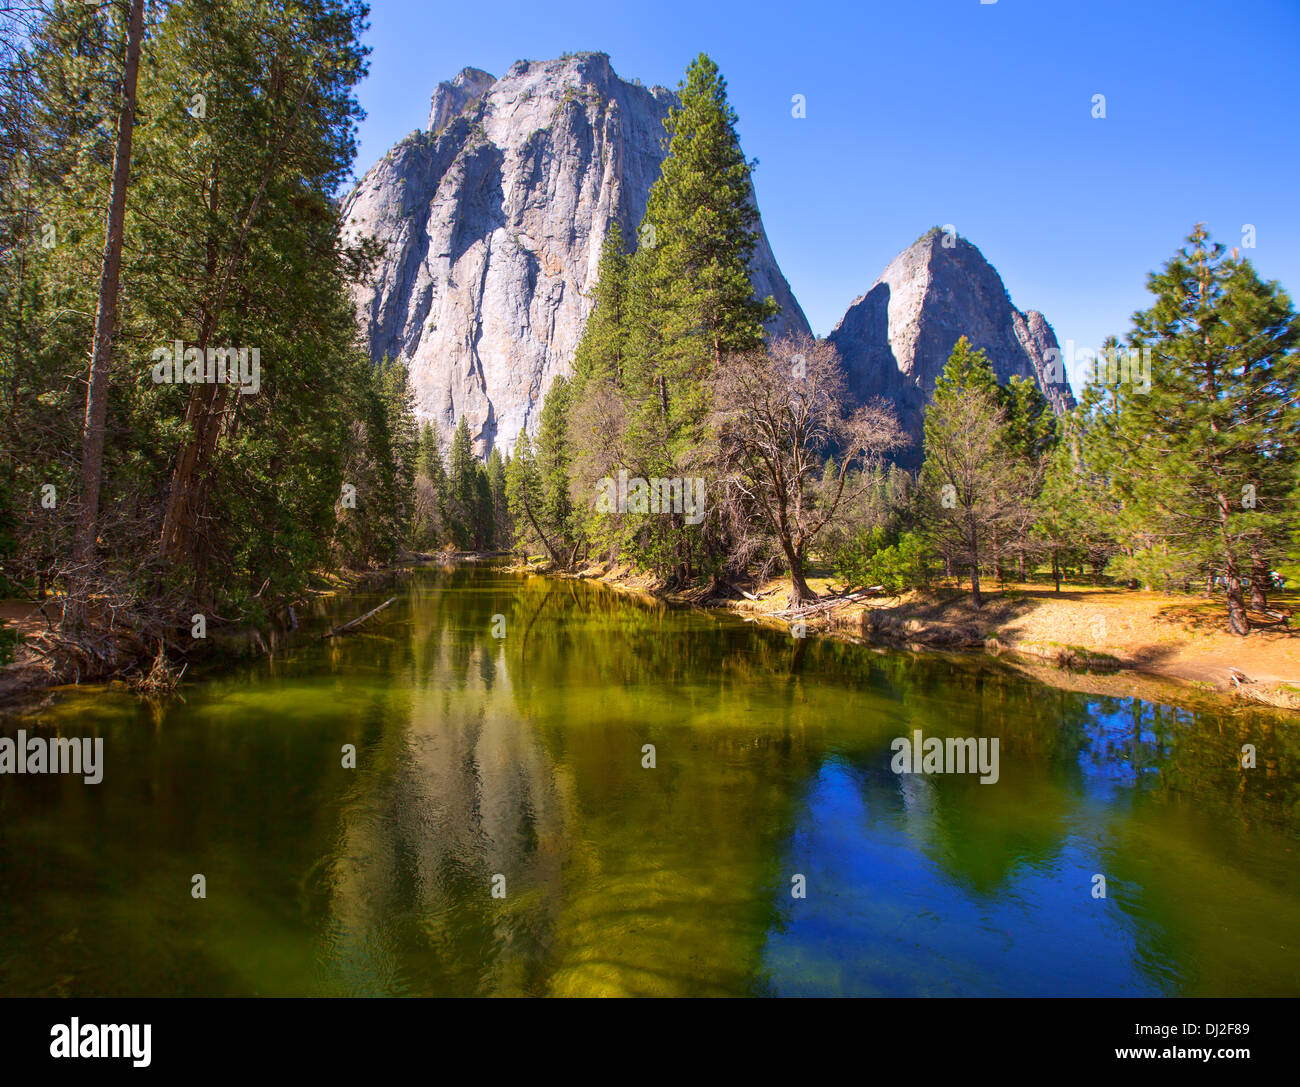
x=932 y=112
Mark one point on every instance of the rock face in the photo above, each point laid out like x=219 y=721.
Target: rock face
x=895 y=339
x=451 y=97
x=493 y=221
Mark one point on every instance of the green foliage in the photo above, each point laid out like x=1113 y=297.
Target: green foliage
x=1197 y=474
x=555 y=465
x=873 y=559
x=429 y=512
x=462 y=489
x=524 y=495
x=602 y=351
x=975 y=493
x=484 y=533
x=1031 y=427
x=403 y=432
x=231 y=241
x=496 y=472
x=663 y=319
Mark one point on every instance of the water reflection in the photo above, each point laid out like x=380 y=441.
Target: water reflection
x=522 y=757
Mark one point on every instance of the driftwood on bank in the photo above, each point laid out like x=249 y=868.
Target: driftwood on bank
x=358 y=621
x=825 y=605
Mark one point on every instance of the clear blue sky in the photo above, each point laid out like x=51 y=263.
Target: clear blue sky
x=928 y=112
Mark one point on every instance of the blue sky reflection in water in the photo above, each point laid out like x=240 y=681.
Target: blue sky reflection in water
x=521 y=757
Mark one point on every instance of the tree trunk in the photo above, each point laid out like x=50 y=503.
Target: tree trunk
x=528 y=509
x=975 y=597
x=1258 y=576
x=92 y=438
x=1056 y=573
x=800 y=594
x=188 y=495
x=1237 y=621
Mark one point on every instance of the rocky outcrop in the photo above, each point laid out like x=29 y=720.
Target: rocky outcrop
x=493 y=221
x=452 y=97
x=895 y=339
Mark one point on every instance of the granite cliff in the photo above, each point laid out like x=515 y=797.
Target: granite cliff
x=895 y=339
x=492 y=220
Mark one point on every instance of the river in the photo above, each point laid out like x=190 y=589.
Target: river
x=502 y=831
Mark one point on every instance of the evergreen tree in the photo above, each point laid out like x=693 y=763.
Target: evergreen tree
x=1207 y=456
x=248 y=253
x=429 y=525
x=1031 y=434
x=596 y=418
x=496 y=471
x=554 y=466
x=524 y=496
x=462 y=488
x=690 y=302
x=1069 y=523
x=602 y=350
x=403 y=432
x=230 y=241
x=484 y=522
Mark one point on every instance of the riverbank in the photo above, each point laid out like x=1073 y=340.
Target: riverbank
x=1087 y=638
x=35 y=670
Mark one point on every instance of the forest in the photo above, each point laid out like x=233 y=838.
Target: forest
x=171 y=179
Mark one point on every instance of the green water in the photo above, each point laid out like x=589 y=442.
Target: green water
x=522 y=757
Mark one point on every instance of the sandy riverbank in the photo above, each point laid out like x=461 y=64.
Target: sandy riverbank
x=1104 y=640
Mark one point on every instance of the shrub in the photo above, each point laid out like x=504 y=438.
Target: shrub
x=870 y=559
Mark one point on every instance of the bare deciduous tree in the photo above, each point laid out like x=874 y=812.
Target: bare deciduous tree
x=779 y=413
x=977 y=496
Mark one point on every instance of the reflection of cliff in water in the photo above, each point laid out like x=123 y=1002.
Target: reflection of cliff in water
x=523 y=756
x=457 y=791
x=669 y=888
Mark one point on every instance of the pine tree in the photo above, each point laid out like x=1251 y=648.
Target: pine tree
x=462 y=492
x=428 y=527
x=524 y=495
x=484 y=522
x=702 y=217
x=92 y=442
x=496 y=470
x=1031 y=435
x=690 y=302
x=248 y=252
x=394 y=391
x=602 y=350
x=554 y=466
x=1069 y=525
x=1207 y=454
x=596 y=417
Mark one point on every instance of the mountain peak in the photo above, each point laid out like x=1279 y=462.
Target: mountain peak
x=452 y=97
x=895 y=339
x=493 y=230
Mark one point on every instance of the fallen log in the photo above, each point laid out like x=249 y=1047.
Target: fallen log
x=359 y=620
x=812 y=609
